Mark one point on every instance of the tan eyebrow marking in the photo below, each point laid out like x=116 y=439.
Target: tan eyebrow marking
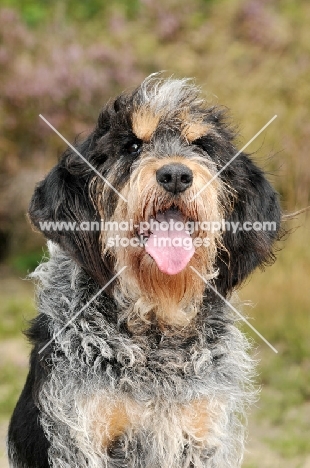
x=194 y=130
x=145 y=122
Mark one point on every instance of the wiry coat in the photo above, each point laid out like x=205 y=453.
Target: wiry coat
x=124 y=385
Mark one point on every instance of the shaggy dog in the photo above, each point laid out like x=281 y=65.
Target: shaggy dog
x=136 y=360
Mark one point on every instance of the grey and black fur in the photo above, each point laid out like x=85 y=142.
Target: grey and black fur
x=154 y=372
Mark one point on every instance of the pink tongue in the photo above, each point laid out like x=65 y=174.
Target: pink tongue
x=170 y=248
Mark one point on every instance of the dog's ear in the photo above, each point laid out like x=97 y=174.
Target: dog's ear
x=63 y=197
x=255 y=218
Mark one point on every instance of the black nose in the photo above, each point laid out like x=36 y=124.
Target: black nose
x=174 y=177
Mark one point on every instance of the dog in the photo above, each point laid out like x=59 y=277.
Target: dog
x=137 y=360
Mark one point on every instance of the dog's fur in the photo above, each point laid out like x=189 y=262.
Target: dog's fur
x=153 y=373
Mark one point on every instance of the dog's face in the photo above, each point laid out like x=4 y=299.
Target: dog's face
x=160 y=151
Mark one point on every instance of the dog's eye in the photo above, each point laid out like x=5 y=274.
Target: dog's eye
x=133 y=148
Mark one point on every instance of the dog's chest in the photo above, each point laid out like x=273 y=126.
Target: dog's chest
x=160 y=397
x=115 y=417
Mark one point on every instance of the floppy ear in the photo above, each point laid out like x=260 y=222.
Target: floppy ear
x=251 y=245
x=63 y=196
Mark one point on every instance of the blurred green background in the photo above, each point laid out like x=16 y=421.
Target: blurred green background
x=64 y=59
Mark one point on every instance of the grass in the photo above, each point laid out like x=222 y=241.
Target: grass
x=24 y=263
x=14 y=315
x=292 y=444
x=16 y=309
x=281 y=314
x=11 y=380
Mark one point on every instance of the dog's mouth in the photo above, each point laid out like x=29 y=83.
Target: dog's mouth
x=168 y=241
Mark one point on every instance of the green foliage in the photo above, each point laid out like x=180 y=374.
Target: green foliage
x=292 y=444
x=11 y=380
x=27 y=262
x=35 y=13
x=15 y=313
x=281 y=314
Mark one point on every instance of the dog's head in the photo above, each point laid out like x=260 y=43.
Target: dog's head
x=165 y=196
